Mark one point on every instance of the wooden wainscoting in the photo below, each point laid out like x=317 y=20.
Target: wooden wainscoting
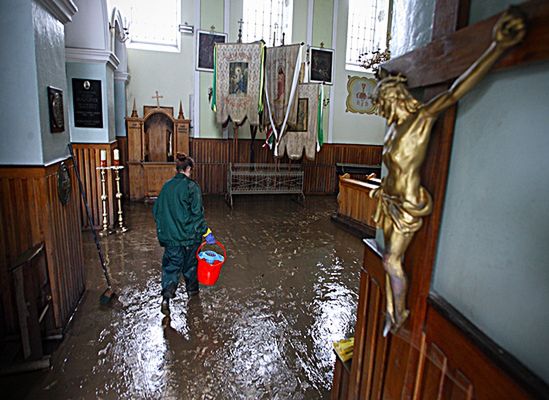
x=321 y=175
x=340 y=386
x=212 y=157
x=88 y=156
x=367 y=375
x=453 y=358
x=124 y=176
x=31 y=213
x=458 y=361
x=371 y=347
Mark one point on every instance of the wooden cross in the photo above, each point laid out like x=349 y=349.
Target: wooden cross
x=454 y=47
x=240 y=23
x=157 y=97
x=449 y=55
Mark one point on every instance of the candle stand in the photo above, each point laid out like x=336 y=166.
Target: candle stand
x=105 y=231
x=121 y=228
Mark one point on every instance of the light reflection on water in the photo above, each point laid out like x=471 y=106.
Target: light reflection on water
x=265 y=331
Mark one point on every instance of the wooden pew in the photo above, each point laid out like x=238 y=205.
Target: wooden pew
x=355 y=207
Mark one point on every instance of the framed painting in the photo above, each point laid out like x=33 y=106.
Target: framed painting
x=359 y=95
x=321 y=68
x=205 y=42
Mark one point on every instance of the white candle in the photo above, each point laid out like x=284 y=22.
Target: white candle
x=116 y=154
x=103 y=155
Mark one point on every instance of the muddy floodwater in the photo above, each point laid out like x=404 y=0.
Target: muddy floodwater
x=289 y=289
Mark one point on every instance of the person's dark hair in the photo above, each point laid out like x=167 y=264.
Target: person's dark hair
x=182 y=161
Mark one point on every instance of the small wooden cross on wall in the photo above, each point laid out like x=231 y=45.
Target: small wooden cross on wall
x=157 y=97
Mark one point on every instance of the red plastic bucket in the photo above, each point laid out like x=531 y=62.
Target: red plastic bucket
x=209 y=272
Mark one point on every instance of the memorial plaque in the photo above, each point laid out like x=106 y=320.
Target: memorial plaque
x=88 y=107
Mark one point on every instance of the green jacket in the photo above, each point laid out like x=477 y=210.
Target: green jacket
x=179 y=213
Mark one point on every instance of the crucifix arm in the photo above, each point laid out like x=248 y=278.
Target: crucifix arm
x=508 y=31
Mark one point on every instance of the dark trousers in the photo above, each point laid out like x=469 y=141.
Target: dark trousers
x=178 y=260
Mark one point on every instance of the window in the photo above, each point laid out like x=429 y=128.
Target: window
x=153 y=25
x=367 y=29
x=262 y=18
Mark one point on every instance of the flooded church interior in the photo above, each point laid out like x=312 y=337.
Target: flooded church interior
x=274 y=199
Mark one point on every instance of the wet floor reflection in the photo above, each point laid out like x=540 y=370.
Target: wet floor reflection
x=265 y=331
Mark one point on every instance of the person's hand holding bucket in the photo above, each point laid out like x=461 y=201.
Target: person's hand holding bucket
x=209 y=261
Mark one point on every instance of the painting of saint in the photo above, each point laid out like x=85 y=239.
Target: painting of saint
x=205 y=49
x=302 y=115
x=238 y=72
x=321 y=69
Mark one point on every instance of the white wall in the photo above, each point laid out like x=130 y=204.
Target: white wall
x=90 y=56
x=32 y=53
x=211 y=14
x=50 y=58
x=120 y=106
x=173 y=74
x=350 y=127
x=121 y=77
x=86 y=29
x=93 y=71
x=492 y=256
x=21 y=138
x=412 y=25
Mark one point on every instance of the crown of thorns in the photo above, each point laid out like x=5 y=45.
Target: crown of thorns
x=393 y=80
x=389 y=81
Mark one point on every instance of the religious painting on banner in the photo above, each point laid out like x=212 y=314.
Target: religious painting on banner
x=359 y=95
x=238 y=82
x=280 y=69
x=303 y=135
x=239 y=78
x=302 y=115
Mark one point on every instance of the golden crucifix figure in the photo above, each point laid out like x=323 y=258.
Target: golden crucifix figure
x=402 y=201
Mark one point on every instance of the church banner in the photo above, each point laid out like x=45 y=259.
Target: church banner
x=280 y=66
x=238 y=82
x=303 y=134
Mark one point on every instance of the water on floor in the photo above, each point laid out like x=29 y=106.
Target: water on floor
x=288 y=290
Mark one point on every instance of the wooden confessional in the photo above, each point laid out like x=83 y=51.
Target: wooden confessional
x=153 y=142
x=438 y=354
